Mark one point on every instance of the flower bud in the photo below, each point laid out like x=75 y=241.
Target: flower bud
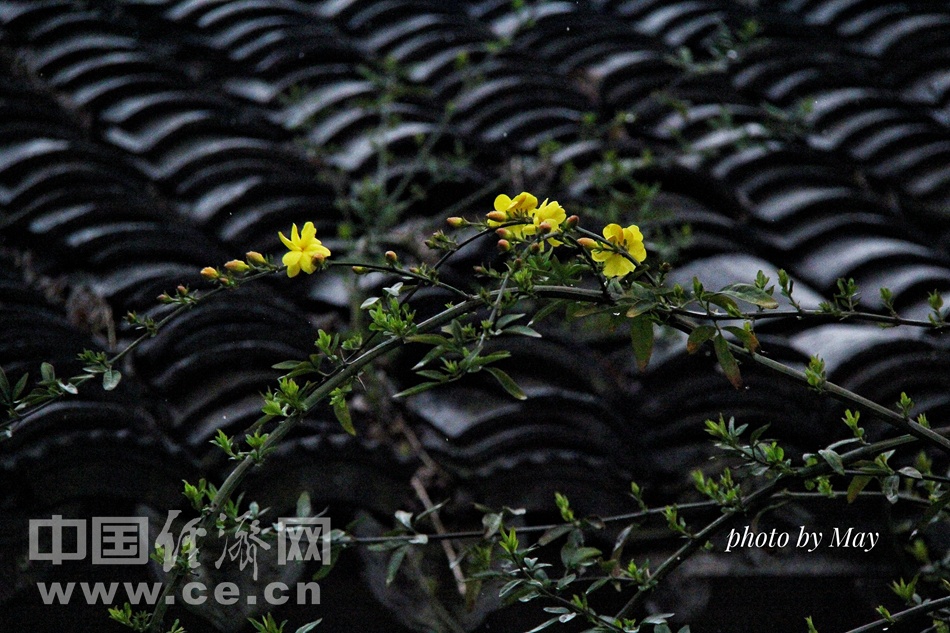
x=545 y=227
x=164 y=298
x=391 y=257
x=497 y=216
x=587 y=243
x=666 y=267
x=237 y=266
x=571 y=222
x=503 y=233
x=535 y=248
x=456 y=222
x=479 y=270
x=360 y=270
x=182 y=290
x=504 y=246
x=255 y=258
x=209 y=273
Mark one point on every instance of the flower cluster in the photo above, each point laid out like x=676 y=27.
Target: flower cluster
x=522 y=217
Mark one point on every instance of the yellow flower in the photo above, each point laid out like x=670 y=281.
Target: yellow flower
x=625 y=239
x=550 y=212
x=521 y=207
x=305 y=250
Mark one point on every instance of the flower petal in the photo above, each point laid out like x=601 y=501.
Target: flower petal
x=618 y=266
x=286 y=242
x=502 y=202
x=309 y=232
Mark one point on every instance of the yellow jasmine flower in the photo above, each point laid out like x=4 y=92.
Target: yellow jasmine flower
x=305 y=250
x=626 y=239
x=552 y=215
x=521 y=207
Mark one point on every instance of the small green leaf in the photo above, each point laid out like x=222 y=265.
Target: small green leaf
x=910 y=471
x=507 y=319
x=554 y=533
x=833 y=459
x=727 y=361
x=411 y=391
x=543 y=625
x=748 y=339
x=891 y=486
x=306 y=628
x=47 y=372
x=698 y=336
x=641 y=337
x=507 y=383
x=342 y=413
x=523 y=330
x=110 y=379
x=857 y=485
x=395 y=562
x=750 y=294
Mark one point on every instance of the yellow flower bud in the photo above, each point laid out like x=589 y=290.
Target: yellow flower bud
x=497 y=216
x=456 y=222
x=504 y=246
x=182 y=290
x=587 y=242
x=360 y=270
x=503 y=233
x=545 y=227
x=391 y=257
x=571 y=222
x=255 y=258
x=209 y=273
x=237 y=266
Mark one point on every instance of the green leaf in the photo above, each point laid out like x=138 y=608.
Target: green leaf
x=750 y=294
x=891 y=486
x=523 y=330
x=395 y=561
x=910 y=471
x=47 y=372
x=342 y=413
x=727 y=361
x=306 y=628
x=554 y=533
x=725 y=302
x=543 y=625
x=20 y=385
x=4 y=383
x=641 y=337
x=857 y=485
x=507 y=383
x=287 y=364
x=507 y=319
x=748 y=339
x=833 y=459
x=698 y=336
x=546 y=311
x=411 y=391
x=110 y=379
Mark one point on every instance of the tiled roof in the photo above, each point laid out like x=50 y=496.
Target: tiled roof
x=141 y=140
